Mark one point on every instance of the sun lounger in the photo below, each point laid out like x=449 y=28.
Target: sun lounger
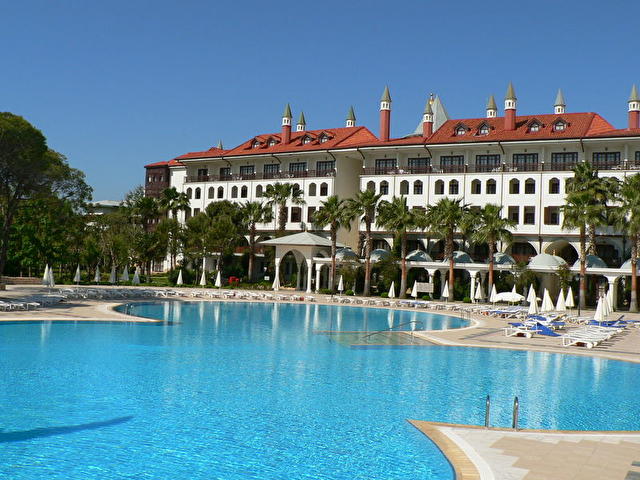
x=520 y=330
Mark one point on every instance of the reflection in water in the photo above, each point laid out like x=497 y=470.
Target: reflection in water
x=390 y=318
x=45 y=331
x=307 y=317
x=339 y=319
x=21 y=435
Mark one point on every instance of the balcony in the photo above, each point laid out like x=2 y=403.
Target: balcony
x=262 y=176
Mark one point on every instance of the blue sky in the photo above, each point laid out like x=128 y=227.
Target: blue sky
x=115 y=85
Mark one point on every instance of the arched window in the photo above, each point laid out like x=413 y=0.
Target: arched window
x=324 y=189
x=439 y=187
x=234 y=192
x=220 y=192
x=371 y=186
x=404 y=188
x=244 y=191
x=453 y=187
x=259 y=191
x=255 y=144
x=211 y=193
x=189 y=193
x=554 y=185
x=491 y=187
x=312 y=189
x=417 y=187
x=384 y=187
x=529 y=186
x=187 y=214
x=514 y=186
x=198 y=193
x=476 y=187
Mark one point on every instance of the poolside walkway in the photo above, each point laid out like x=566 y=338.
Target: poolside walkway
x=495 y=454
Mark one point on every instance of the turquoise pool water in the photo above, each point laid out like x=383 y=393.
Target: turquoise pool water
x=250 y=391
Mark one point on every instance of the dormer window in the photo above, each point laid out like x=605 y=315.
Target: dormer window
x=323 y=138
x=272 y=142
x=483 y=130
x=559 y=126
x=534 y=127
x=306 y=140
x=255 y=144
x=460 y=131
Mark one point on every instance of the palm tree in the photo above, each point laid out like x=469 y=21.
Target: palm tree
x=443 y=219
x=490 y=227
x=173 y=201
x=252 y=214
x=628 y=221
x=396 y=216
x=332 y=213
x=278 y=195
x=601 y=190
x=578 y=212
x=144 y=211
x=364 y=205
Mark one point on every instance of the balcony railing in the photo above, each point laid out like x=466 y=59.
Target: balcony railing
x=262 y=176
x=504 y=167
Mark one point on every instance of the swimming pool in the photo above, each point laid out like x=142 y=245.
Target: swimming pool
x=249 y=390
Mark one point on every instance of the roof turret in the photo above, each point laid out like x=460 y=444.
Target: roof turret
x=386 y=96
x=287 y=112
x=351 y=115
x=634 y=94
x=491 y=103
x=511 y=94
x=559 y=99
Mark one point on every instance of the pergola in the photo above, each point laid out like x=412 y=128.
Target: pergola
x=306 y=247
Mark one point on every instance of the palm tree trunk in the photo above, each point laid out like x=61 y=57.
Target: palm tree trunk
x=252 y=247
x=583 y=269
x=592 y=239
x=492 y=247
x=332 y=277
x=633 y=304
x=449 y=253
x=282 y=219
x=403 y=277
x=367 y=261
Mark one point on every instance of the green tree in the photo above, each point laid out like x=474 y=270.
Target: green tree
x=29 y=169
x=490 y=227
x=334 y=214
x=443 y=220
x=579 y=211
x=628 y=221
x=363 y=206
x=396 y=216
x=278 y=195
x=254 y=213
x=172 y=201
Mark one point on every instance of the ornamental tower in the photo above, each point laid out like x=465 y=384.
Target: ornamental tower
x=351 y=118
x=510 y=109
x=427 y=120
x=634 y=109
x=302 y=123
x=286 y=125
x=492 y=108
x=385 y=115
x=559 y=106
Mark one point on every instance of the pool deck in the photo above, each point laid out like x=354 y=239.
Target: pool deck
x=474 y=452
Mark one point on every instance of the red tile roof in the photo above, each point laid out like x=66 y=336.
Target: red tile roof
x=577 y=125
x=157 y=164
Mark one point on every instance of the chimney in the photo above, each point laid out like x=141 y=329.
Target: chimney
x=492 y=108
x=351 y=118
x=510 y=109
x=427 y=120
x=385 y=115
x=559 y=106
x=286 y=125
x=634 y=109
x=302 y=123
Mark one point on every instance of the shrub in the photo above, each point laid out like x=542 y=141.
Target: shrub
x=326 y=291
x=466 y=300
x=349 y=292
x=426 y=297
x=384 y=295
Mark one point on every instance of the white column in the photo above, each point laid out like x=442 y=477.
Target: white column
x=473 y=285
x=299 y=276
x=309 y=274
x=318 y=271
x=277 y=273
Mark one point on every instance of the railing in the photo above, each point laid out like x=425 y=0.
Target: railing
x=262 y=176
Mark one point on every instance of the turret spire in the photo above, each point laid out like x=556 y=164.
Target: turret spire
x=559 y=106
x=302 y=123
x=634 y=108
x=351 y=118
x=492 y=108
x=385 y=115
x=427 y=120
x=286 y=125
x=510 y=108
x=220 y=145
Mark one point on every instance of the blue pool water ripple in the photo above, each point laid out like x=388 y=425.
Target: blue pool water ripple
x=251 y=391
